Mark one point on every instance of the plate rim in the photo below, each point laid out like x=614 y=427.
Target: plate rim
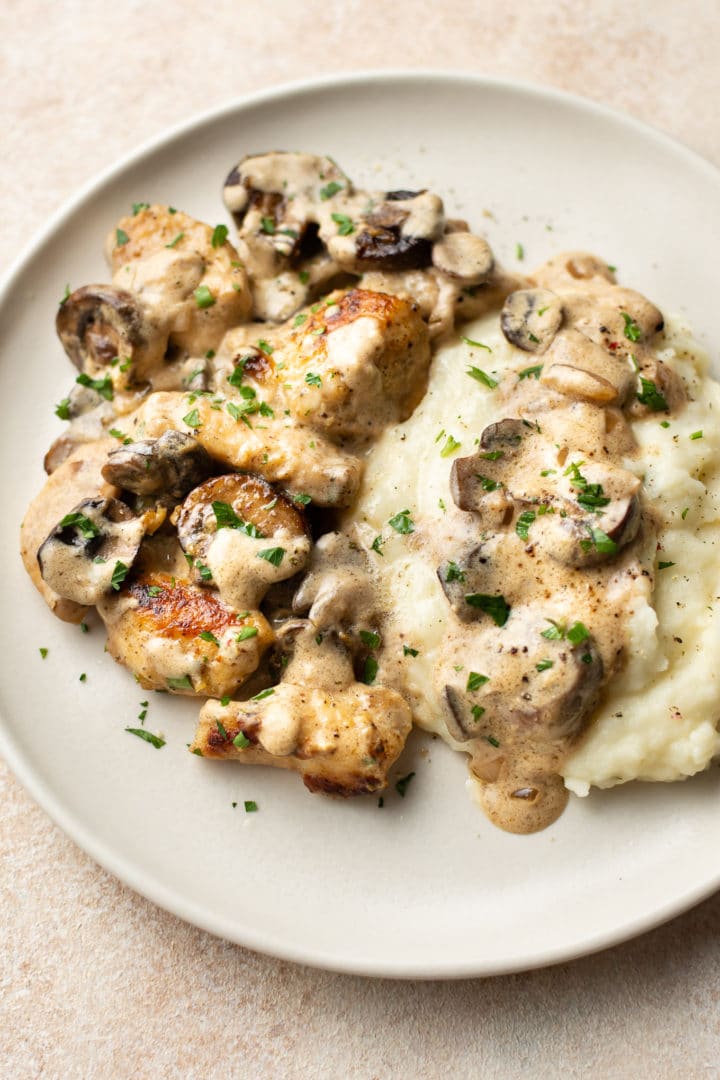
x=153 y=889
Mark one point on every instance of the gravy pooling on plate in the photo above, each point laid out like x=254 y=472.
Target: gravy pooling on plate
x=241 y=491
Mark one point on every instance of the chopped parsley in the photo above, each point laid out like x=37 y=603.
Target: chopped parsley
x=600 y=541
x=301 y=498
x=246 y=632
x=43 y=651
x=119 y=574
x=203 y=297
x=531 y=372
x=491 y=455
x=650 y=395
x=263 y=694
x=591 y=496
x=370 y=638
x=205 y=635
x=451 y=445
x=268 y=226
x=665 y=565
x=523 y=523
x=265 y=346
x=250 y=806
x=226 y=518
x=221 y=730
x=176 y=241
x=241 y=740
x=544 y=665
x=304 y=276
x=495 y=606
x=454 y=573
x=370 y=670
x=219 y=236
x=632 y=331
x=148 y=736
x=87 y=528
x=183 y=683
x=376 y=545
x=401 y=523
x=402 y=785
x=84 y=628
x=121 y=238
x=312 y=379
x=273 y=555
x=62 y=410
x=344 y=224
x=696 y=435
x=407 y=651
x=577 y=633
x=138 y=206
x=482 y=377
x=299 y=319
x=192 y=419
x=476 y=344
x=475 y=681
x=519 y=252
x=329 y=190
x=492 y=740
x=103 y=387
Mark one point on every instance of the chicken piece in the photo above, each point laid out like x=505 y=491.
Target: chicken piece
x=76 y=479
x=186 y=275
x=356 y=364
x=340 y=735
x=174 y=635
x=278 y=450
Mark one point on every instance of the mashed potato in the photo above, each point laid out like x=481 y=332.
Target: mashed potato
x=658 y=718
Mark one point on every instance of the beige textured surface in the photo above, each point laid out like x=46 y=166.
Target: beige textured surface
x=95 y=981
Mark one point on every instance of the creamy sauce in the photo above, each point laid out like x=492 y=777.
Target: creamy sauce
x=496 y=568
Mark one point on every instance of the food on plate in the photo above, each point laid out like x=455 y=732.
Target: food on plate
x=295 y=486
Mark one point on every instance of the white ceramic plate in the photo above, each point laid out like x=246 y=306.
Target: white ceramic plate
x=424 y=887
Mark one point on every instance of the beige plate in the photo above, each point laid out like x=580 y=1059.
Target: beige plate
x=425 y=887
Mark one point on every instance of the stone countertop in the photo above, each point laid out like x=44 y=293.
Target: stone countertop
x=96 y=981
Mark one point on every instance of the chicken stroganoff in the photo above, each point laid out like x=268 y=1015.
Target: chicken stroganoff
x=293 y=488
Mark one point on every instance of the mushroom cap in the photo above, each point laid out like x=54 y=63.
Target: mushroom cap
x=80 y=558
x=530 y=318
x=99 y=323
x=171 y=465
x=464 y=257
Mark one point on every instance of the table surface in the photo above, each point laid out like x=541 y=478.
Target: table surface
x=94 y=980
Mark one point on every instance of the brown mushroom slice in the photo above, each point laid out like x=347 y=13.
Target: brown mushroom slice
x=473 y=580
x=531 y=318
x=90 y=550
x=479 y=482
x=341 y=736
x=98 y=324
x=544 y=683
x=336 y=592
x=577 y=367
x=173 y=635
x=241 y=534
x=463 y=257
x=395 y=233
x=659 y=389
x=171 y=465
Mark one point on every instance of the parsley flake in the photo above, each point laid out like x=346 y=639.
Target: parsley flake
x=401 y=523
x=482 y=377
x=148 y=736
x=203 y=297
x=219 y=236
x=495 y=606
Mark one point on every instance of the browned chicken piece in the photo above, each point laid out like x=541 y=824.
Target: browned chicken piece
x=279 y=450
x=355 y=364
x=76 y=479
x=174 y=635
x=340 y=735
x=185 y=273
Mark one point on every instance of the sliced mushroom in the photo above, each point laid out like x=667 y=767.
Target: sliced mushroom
x=543 y=683
x=576 y=366
x=90 y=551
x=336 y=591
x=472 y=581
x=243 y=536
x=599 y=515
x=531 y=318
x=478 y=482
x=341 y=736
x=99 y=324
x=393 y=233
x=170 y=466
x=463 y=257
